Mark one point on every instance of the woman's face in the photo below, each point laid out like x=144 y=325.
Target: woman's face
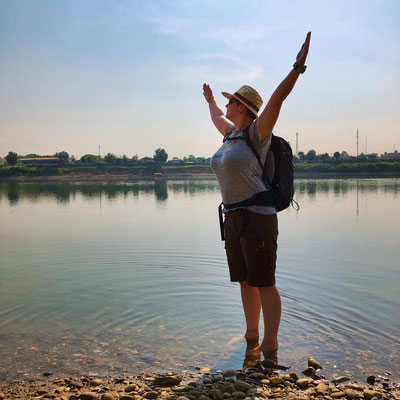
x=232 y=108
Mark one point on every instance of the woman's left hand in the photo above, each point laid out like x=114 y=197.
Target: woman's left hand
x=301 y=57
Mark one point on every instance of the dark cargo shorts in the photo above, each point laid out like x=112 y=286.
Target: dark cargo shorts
x=251 y=245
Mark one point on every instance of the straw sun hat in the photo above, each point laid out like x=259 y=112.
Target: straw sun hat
x=248 y=96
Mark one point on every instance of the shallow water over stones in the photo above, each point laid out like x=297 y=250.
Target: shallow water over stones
x=131 y=276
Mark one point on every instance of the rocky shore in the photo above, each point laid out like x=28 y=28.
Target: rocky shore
x=263 y=380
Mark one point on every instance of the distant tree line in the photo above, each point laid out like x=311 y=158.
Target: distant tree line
x=161 y=156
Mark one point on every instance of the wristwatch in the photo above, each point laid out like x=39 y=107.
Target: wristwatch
x=298 y=68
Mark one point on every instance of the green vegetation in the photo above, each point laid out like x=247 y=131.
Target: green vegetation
x=149 y=170
x=378 y=166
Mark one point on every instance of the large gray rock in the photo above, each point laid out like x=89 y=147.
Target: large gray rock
x=351 y=394
x=314 y=363
x=168 y=380
x=303 y=383
x=321 y=388
x=275 y=381
x=242 y=386
x=369 y=394
x=131 y=388
x=227 y=387
x=75 y=384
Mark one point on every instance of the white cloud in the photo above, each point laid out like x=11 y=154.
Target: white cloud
x=219 y=68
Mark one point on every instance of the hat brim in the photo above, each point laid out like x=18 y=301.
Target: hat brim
x=229 y=96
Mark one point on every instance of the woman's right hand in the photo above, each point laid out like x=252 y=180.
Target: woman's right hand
x=207 y=92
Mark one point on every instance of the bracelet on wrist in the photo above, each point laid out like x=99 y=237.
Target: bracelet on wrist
x=299 y=69
x=209 y=98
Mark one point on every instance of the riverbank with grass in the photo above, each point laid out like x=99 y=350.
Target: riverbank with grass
x=264 y=380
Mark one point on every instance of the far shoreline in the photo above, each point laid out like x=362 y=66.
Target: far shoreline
x=188 y=176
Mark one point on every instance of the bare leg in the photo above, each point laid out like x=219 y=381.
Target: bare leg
x=271 y=306
x=251 y=306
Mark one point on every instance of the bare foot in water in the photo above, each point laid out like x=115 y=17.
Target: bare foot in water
x=266 y=349
x=251 y=334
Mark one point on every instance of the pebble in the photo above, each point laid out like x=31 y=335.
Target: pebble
x=371 y=380
x=293 y=376
x=257 y=375
x=242 y=386
x=229 y=373
x=314 y=363
x=96 y=382
x=336 y=395
x=304 y=382
x=151 y=395
x=217 y=394
x=168 y=380
x=309 y=371
x=239 y=395
x=180 y=398
x=126 y=397
x=227 y=387
x=75 y=384
x=88 y=396
x=267 y=363
x=351 y=394
x=2 y=396
x=107 y=396
x=369 y=394
x=276 y=381
x=341 y=379
x=131 y=388
x=322 y=388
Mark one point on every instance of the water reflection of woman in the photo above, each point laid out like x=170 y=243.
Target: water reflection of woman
x=251 y=233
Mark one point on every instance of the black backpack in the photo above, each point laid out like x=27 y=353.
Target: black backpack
x=281 y=186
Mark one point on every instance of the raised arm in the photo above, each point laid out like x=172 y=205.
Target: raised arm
x=269 y=116
x=217 y=115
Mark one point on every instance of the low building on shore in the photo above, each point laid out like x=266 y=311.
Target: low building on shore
x=38 y=161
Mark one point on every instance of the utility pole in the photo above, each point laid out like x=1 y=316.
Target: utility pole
x=99 y=151
x=297 y=144
x=357 y=142
x=366 y=144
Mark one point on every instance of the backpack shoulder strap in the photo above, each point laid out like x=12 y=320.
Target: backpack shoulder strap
x=251 y=145
x=228 y=133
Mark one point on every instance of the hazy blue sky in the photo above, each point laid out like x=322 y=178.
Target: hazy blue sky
x=128 y=75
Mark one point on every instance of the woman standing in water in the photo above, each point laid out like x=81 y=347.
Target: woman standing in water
x=251 y=232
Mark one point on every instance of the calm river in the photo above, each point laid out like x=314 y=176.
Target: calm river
x=126 y=277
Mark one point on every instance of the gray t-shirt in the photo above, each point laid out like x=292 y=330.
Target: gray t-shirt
x=238 y=171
